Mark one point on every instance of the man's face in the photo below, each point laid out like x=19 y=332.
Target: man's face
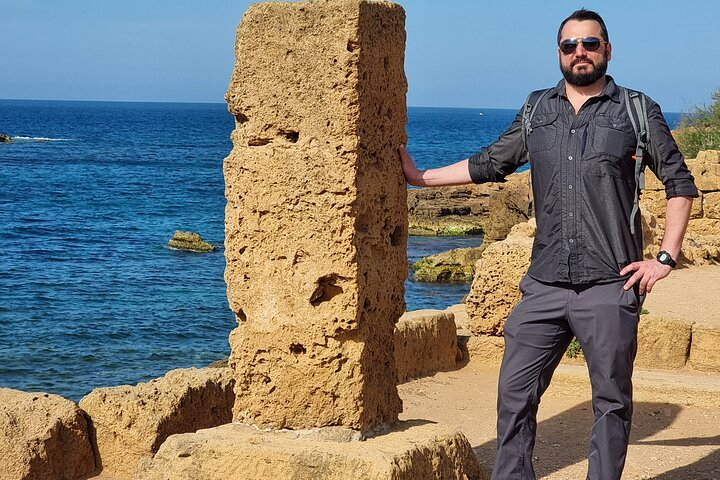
x=583 y=67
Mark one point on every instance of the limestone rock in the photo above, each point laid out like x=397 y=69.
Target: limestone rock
x=494 y=290
x=704 y=351
x=708 y=157
x=42 y=437
x=413 y=451
x=654 y=202
x=316 y=219
x=486 y=348
x=189 y=241
x=425 y=343
x=706 y=172
x=457 y=265
x=711 y=205
x=5 y=138
x=491 y=208
x=662 y=343
x=129 y=423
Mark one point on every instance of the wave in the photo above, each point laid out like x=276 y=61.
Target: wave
x=40 y=139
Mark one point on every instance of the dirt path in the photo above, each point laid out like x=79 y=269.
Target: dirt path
x=670 y=440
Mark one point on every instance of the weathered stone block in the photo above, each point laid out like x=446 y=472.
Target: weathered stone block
x=705 y=348
x=703 y=226
x=711 y=205
x=316 y=219
x=129 y=423
x=425 y=343
x=709 y=157
x=42 y=437
x=662 y=343
x=494 y=290
x=486 y=348
x=707 y=175
x=411 y=452
x=655 y=201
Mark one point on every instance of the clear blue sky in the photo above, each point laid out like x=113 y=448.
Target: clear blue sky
x=459 y=52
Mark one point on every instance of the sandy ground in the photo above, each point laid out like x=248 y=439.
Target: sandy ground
x=689 y=293
x=676 y=425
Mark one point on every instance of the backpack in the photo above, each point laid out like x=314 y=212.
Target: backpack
x=636 y=105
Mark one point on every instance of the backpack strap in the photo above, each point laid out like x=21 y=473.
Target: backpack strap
x=636 y=104
x=531 y=103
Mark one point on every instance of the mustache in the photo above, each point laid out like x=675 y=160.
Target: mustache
x=582 y=59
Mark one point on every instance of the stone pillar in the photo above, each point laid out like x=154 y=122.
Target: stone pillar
x=316 y=216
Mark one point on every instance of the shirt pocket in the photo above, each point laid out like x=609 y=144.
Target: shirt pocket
x=613 y=136
x=545 y=131
x=613 y=145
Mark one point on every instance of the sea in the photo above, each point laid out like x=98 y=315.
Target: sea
x=90 y=194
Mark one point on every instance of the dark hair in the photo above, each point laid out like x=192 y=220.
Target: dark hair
x=583 y=15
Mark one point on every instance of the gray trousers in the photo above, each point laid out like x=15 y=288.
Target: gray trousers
x=604 y=318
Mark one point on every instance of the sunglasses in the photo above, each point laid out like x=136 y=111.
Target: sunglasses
x=590 y=44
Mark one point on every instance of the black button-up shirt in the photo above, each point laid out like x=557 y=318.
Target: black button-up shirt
x=583 y=181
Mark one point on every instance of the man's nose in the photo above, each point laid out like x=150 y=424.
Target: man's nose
x=580 y=49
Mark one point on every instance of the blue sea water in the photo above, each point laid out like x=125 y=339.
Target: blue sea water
x=91 y=192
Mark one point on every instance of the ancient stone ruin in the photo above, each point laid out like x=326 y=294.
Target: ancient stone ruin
x=316 y=216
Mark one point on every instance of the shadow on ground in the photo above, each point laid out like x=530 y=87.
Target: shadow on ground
x=563 y=441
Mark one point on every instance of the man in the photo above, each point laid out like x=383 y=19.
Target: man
x=587 y=276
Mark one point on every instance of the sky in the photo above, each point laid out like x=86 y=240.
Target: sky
x=459 y=53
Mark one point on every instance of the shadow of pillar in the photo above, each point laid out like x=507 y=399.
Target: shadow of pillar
x=563 y=439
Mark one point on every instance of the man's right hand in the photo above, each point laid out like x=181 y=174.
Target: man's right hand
x=454 y=174
x=413 y=176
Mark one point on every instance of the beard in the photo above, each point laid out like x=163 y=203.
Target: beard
x=585 y=78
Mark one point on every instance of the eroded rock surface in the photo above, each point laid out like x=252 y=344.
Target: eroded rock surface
x=425 y=343
x=42 y=437
x=129 y=423
x=316 y=219
x=490 y=208
x=494 y=291
x=190 y=241
x=412 y=452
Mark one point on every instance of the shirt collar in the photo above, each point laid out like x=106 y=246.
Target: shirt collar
x=610 y=90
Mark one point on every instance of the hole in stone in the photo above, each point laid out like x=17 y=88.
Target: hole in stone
x=297 y=348
x=241 y=118
x=386 y=63
x=396 y=237
x=258 y=142
x=241 y=316
x=352 y=45
x=290 y=135
x=367 y=304
x=326 y=290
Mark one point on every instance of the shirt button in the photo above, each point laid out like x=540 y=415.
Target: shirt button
x=570 y=187
x=570 y=157
x=570 y=214
x=571 y=240
x=572 y=131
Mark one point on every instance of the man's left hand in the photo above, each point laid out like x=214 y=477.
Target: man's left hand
x=647 y=272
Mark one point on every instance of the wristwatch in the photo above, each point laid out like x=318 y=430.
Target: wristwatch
x=665 y=258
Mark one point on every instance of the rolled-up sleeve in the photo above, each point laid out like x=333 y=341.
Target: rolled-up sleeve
x=493 y=163
x=666 y=161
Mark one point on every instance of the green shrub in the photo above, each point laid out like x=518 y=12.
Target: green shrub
x=700 y=129
x=574 y=349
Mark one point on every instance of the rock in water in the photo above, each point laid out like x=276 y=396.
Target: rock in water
x=5 y=138
x=189 y=241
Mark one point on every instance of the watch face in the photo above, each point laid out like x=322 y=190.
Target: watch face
x=664 y=257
